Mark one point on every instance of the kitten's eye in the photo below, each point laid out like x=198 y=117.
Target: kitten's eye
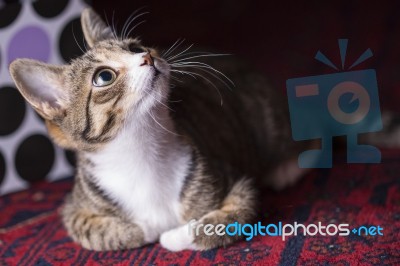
x=104 y=77
x=135 y=49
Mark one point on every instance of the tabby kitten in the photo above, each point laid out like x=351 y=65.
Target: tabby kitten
x=151 y=158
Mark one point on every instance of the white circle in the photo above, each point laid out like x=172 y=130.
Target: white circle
x=329 y=233
x=312 y=226
x=359 y=92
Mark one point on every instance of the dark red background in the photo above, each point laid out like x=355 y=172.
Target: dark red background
x=279 y=38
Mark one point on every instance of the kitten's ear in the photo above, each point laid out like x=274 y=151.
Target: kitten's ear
x=94 y=27
x=41 y=85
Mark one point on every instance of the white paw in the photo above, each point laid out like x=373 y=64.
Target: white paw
x=178 y=239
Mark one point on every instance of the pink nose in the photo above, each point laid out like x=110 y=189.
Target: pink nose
x=147 y=60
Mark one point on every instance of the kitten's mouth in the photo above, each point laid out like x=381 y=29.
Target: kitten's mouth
x=152 y=90
x=156 y=73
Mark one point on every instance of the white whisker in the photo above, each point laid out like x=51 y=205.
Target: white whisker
x=130 y=19
x=172 y=57
x=175 y=78
x=193 y=53
x=197 y=56
x=73 y=34
x=176 y=44
x=84 y=43
x=183 y=72
x=193 y=74
x=201 y=68
x=125 y=34
x=134 y=27
x=201 y=65
x=165 y=53
x=155 y=120
x=154 y=98
x=111 y=26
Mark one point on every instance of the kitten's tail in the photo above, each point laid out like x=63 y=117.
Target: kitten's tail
x=389 y=136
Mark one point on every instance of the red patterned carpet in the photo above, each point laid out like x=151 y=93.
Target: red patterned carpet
x=31 y=232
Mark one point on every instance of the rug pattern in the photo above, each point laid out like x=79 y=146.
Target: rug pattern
x=31 y=232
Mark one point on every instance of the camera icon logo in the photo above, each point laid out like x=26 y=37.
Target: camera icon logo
x=339 y=104
x=358 y=93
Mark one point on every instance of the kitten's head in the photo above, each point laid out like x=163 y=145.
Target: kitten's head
x=86 y=102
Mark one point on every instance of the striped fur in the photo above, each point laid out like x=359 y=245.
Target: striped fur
x=143 y=170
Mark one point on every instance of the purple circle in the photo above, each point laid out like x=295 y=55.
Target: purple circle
x=30 y=42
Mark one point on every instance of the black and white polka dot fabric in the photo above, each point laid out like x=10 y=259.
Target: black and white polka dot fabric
x=48 y=31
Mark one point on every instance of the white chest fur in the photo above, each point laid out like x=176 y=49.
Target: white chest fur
x=144 y=173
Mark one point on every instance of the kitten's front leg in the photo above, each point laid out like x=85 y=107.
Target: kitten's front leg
x=100 y=232
x=238 y=206
x=192 y=236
